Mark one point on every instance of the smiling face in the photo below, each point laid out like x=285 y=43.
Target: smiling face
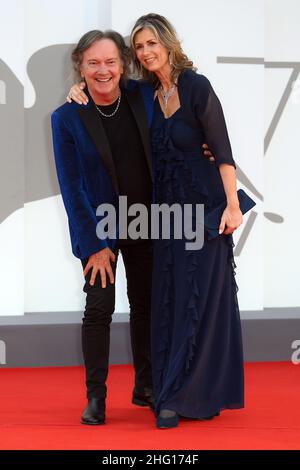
x=150 y=52
x=102 y=69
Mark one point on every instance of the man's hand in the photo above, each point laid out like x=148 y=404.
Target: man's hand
x=208 y=153
x=101 y=262
x=76 y=94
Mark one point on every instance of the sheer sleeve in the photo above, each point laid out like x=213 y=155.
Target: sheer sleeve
x=210 y=115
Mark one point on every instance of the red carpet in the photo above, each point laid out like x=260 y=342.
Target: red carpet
x=40 y=409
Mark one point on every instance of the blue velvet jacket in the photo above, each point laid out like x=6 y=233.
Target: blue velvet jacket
x=85 y=167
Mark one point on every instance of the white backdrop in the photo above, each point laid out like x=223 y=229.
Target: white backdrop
x=268 y=265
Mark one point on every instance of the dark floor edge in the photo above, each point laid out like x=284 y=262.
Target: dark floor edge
x=74 y=317
x=45 y=344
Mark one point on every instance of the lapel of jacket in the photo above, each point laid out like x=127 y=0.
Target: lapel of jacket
x=137 y=106
x=90 y=118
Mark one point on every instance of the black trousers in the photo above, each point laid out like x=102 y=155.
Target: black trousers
x=100 y=305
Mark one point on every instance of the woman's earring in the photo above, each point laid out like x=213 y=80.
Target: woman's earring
x=170 y=59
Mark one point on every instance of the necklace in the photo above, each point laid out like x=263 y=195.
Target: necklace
x=167 y=95
x=114 y=112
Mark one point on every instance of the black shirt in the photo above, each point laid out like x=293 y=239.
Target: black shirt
x=133 y=174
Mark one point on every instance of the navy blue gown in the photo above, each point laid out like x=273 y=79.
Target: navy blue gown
x=197 y=354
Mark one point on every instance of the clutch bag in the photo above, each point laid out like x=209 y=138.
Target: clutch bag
x=212 y=218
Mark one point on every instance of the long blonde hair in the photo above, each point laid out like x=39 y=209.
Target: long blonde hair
x=167 y=35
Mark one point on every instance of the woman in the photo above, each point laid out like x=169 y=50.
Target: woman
x=197 y=357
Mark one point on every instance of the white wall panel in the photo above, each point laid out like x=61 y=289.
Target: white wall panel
x=268 y=265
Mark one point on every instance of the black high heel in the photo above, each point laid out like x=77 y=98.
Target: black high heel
x=211 y=417
x=167 y=419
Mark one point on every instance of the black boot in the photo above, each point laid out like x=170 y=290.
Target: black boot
x=94 y=412
x=143 y=397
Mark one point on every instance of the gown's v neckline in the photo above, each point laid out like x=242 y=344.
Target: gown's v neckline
x=163 y=114
x=179 y=98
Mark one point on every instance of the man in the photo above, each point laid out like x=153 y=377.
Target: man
x=102 y=150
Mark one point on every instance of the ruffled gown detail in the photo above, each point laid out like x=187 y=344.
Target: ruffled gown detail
x=197 y=353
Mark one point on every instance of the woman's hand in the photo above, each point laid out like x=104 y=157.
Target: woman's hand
x=76 y=94
x=231 y=219
x=101 y=262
